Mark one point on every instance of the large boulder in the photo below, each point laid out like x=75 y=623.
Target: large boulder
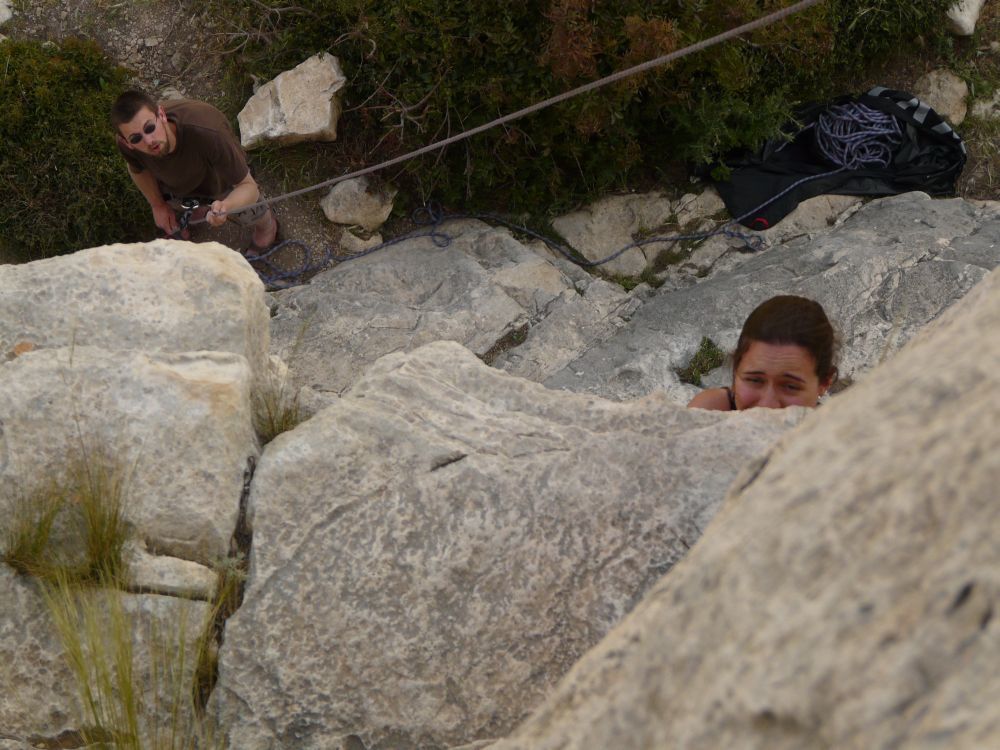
x=433 y=551
x=302 y=104
x=179 y=425
x=161 y=296
x=845 y=596
x=881 y=275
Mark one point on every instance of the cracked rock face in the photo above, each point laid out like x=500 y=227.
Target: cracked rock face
x=434 y=550
x=845 y=597
x=480 y=288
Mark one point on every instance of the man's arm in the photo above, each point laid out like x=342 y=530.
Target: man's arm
x=243 y=194
x=163 y=214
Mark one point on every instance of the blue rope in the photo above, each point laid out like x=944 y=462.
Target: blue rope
x=853 y=136
x=850 y=136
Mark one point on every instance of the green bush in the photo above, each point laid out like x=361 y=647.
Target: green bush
x=420 y=70
x=63 y=185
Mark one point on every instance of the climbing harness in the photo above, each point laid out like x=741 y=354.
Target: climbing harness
x=188 y=207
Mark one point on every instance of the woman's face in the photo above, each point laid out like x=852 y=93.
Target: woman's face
x=774 y=376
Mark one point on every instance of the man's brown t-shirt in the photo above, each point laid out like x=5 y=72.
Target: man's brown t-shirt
x=207 y=161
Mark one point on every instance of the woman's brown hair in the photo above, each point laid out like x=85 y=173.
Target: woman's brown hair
x=788 y=319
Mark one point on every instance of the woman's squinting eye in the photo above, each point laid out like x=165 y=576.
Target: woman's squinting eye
x=793 y=387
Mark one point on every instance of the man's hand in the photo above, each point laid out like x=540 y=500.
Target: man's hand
x=216 y=215
x=165 y=218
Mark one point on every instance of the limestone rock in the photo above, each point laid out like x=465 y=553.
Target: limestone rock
x=38 y=694
x=573 y=321
x=302 y=104
x=161 y=296
x=6 y=13
x=813 y=215
x=179 y=424
x=963 y=16
x=614 y=222
x=988 y=109
x=169 y=576
x=692 y=208
x=846 y=595
x=354 y=204
x=350 y=243
x=945 y=92
x=434 y=550
x=881 y=275
x=480 y=288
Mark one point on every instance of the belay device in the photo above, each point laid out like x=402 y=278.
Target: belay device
x=922 y=152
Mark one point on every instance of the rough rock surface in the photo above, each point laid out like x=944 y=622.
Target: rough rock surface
x=881 y=275
x=434 y=550
x=988 y=109
x=610 y=224
x=588 y=312
x=353 y=203
x=39 y=699
x=722 y=252
x=161 y=296
x=302 y=104
x=945 y=92
x=170 y=576
x=6 y=13
x=963 y=16
x=845 y=597
x=482 y=287
x=180 y=425
x=695 y=207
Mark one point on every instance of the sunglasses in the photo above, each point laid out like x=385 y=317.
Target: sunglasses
x=135 y=139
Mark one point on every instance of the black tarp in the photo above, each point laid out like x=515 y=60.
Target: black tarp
x=930 y=158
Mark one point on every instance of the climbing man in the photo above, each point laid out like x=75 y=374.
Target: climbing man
x=183 y=149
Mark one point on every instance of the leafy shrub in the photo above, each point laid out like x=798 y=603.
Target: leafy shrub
x=421 y=70
x=63 y=185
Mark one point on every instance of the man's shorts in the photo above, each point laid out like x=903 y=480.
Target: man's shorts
x=244 y=218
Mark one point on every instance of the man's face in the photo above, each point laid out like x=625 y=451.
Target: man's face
x=146 y=132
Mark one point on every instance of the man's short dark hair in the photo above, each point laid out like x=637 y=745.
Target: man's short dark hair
x=127 y=106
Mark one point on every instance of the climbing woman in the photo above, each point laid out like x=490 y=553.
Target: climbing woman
x=784 y=357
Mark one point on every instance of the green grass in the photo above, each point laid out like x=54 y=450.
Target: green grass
x=275 y=399
x=227 y=599
x=132 y=700
x=707 y=358
x=275 y=408
x=142 y=685
x=73 y=526
x=28 y=532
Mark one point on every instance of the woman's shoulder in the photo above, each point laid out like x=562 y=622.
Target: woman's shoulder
x=717 y=399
